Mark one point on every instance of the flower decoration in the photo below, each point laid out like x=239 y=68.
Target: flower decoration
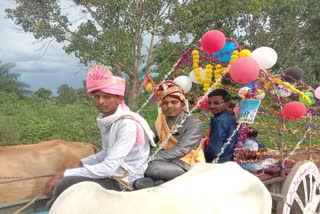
x=293 y=89
x=234 y=56
x=207 y=80
x=208 y=71
x=217 y=74
x=245 y=53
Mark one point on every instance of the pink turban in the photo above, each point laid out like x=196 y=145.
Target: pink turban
x=100 y=78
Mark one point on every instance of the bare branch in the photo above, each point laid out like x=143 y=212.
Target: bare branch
x=95 y=16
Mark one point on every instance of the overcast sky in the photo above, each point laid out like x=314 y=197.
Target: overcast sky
x=40 y=68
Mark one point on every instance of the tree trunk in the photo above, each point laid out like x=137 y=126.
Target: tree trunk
x=133 y=91
x=118 y=70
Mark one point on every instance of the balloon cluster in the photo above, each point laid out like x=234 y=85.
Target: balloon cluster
x=218 y=57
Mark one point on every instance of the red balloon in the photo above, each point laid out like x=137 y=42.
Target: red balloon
x=244 y=70
x=204 y=104
x=213 y=41
x=294 y=110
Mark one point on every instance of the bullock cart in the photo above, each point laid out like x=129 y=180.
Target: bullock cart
x=292 y=178
x=295 y=187
x=297 y=192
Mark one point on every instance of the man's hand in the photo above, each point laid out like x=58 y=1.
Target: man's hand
x=77 y=165
x=51 y=183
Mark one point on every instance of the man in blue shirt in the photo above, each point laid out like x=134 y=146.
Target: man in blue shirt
x=223 y=124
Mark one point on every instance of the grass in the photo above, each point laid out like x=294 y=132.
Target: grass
x=274 y=130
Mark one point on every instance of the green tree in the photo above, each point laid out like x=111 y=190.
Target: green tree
x=112 y=33
x=67 y=94
x=9 y=81
x=290 y=27
x=43 y=93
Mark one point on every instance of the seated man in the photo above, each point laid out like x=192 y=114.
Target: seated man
x=178 y=151
x=222 y=125
x=125 y=140
x=252 y=136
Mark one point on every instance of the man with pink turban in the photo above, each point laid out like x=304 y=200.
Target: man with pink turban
x=125 y=140
x=180 y=143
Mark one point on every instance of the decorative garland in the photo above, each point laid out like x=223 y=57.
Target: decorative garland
x=234 y=57
x=208 y=71
x=207 y=80
x=219 y=72
x=293 y=89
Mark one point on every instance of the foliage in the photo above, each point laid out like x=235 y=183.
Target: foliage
x=8 y=134
x=9 y=81
x=130 y=35
x=30 y=120
x=120 y=34
x=69 y=95
x=43 y=93
x=149 y=112
x=289 y=27
x=113 y=33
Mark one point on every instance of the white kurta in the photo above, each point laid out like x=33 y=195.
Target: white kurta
x=115 y=157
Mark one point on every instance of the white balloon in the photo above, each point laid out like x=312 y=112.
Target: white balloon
x=243 y=92
x=282 y=91
x=193 y=76
x=266 y=57
x=184 y=82
x=261 y=95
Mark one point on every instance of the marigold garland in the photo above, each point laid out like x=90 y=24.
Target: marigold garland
x=206 y=82
x=293 y=89
x=245 y=53
x=234 y=57
x=217 y=75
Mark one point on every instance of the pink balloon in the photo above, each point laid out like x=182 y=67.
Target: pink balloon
x=213 y=41
x=244 y=70
x=317 y=93
x=204 y=104
x=236 y=109
x=294 y=110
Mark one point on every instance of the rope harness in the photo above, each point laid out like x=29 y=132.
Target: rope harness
x=28 y=204
x=14 y=179
x=123 y=184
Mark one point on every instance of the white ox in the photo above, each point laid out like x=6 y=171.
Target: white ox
x=205 y=189
x=18 y=163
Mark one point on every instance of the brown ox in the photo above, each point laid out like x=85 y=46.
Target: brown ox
x=37 y=161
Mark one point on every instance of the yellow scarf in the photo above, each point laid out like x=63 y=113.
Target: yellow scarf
x=163 y=131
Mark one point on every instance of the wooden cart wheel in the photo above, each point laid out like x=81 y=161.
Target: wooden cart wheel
x=301 y=190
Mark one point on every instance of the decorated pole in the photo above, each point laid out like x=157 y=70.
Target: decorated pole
x=309 y=134
x=281 y=129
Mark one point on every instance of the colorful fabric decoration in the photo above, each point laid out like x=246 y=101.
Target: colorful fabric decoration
x=148 y=82
x=169 y=88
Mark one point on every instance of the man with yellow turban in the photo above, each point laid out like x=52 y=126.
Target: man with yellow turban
x=125 y=140
x=180 y=145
